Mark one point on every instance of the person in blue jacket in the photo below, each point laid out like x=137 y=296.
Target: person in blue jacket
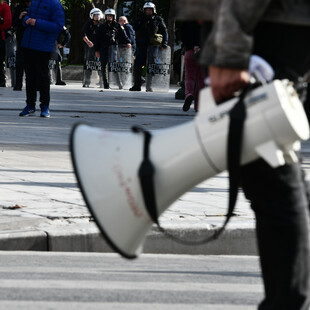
x=44 y=21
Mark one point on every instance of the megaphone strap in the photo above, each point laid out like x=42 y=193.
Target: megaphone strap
x=234 y=146
x=146 y=175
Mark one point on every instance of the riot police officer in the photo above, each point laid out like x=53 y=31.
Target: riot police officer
x=109 y=33
x=150 y=30
x=89 y=33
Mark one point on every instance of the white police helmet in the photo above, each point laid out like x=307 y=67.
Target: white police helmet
x=95 y=11
x=150 y=5
x=110 y=12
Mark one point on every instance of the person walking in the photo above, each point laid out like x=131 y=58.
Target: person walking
x=278 y=196
x=17 y=23
x=190 y=37
x=150 y=29
x=43 y=21
x=5 y=24
x=109 y=33
x=89 y=31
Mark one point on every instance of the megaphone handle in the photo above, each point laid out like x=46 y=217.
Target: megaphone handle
x=146 y=175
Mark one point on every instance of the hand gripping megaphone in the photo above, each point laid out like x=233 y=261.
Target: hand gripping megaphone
x=107 y=163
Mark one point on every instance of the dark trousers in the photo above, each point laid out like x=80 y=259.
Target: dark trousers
x=2 y=62
x=104 y=72
x=279 y=197
x=307 y=102
x=193 y=77
x=37 y=76
x=19 y=66
x=279 y=200
x=140 y=61
x=104 y=58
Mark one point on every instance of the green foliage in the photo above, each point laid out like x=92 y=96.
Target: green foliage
x=135 y=8
x=69 y=4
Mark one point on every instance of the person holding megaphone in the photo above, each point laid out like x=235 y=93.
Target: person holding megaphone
x=279 y=197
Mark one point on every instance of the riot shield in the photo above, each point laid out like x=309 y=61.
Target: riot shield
x=10 y=51
x=91 y=63
x=158 y=69
x=120 y=67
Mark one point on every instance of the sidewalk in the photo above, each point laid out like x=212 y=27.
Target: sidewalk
x=41 y=207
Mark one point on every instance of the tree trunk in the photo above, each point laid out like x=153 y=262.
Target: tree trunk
x=78 y=18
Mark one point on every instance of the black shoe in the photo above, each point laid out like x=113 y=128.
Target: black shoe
x=188 y=102
x=2 y=84
x=17 y=88
x=60 y=83
x=85 y=85
x=135 y=88
x=106 y=86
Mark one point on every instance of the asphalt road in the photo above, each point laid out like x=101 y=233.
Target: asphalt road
x=105 y=281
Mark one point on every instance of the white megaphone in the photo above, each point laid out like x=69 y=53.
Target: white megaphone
x=107 y=163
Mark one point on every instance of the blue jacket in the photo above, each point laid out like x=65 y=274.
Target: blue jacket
x=131 y=36
x=50 y=18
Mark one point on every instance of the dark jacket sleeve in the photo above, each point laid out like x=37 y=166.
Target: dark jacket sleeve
x=122 y=35
x=64 y=37
x=162 y=29
x=132 y=36
x=130 y=33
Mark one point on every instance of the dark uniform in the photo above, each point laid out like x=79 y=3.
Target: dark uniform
x=89 y=30
x=146 y=27
x=109 y=33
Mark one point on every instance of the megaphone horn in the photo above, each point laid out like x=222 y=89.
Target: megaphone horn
x=107 y=163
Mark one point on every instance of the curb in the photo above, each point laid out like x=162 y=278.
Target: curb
x=27 y=240
x=87 y=238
